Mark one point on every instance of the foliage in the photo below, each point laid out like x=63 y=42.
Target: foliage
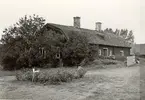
x=108 y=61
x=124 y=33
x=108 y=30
x=105 y=62
x=97 y=62
x=108 y=57
x=24 y=75
x=120 y=58
x=27 y=43
x=130 y=37
x=19 y=42
x=75 y=50
x=80 y=72
x=51 y=76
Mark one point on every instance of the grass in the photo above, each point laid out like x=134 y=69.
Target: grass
x=106 y=84
x=7 y=73
x=142 y=78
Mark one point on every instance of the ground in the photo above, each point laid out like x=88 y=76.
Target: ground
x=98 y=84
x=142 y=79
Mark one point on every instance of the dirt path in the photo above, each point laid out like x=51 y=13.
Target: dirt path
x=105 y=84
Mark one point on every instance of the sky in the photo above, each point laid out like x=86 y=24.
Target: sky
x=121 y=14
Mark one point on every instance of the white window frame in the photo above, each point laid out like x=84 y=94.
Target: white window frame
x=110 y=53
x=100 y=52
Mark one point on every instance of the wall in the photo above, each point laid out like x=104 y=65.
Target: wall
x=116 y=50
x=126 y=51
x=108 y=47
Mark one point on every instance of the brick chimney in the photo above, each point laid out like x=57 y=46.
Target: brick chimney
x=77 y=22
x=98 y=26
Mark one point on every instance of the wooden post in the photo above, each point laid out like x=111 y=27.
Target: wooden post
x=33 y=74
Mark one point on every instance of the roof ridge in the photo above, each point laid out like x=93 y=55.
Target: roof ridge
x=73 y=27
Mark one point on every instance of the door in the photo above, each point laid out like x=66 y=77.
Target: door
x=105 y=50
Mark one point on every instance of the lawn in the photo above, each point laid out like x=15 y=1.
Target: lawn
x=121 y=83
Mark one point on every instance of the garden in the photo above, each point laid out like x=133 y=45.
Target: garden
x=25 y=46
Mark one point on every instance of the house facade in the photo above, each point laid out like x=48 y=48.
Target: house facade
x=111 y=50
x=106 y=44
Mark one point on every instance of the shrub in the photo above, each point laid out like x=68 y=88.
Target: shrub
x=80 y=72
x=108 y=61
x=52 y=76
x=108 y=57
x=25 y=74
x=121 y=58
x=97 y=62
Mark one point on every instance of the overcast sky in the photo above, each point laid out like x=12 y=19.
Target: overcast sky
x=121 y=14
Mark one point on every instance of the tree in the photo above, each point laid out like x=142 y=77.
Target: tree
x=123 y=33
x=18 y=40
x=108 y=30
x=130 y=37
x=111 y=30
x=117 y=32
x=76 y=49
x=27 y=45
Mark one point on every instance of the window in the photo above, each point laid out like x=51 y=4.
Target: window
x=42 y=51
x=99 y=52
x=105 y=51
x=122 y=53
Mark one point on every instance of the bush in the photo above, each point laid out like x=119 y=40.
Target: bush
x=9 y=62
x=108 y=61
x=80 y=72
x=25 y=74
x=104 y=61
x=108 y=57
x=121 y=58
x=52 y=76
x=97 y=62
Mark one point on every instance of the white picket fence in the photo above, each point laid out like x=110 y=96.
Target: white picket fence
x=131 y=60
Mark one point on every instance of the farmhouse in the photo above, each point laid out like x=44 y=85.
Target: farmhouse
x=106 y=44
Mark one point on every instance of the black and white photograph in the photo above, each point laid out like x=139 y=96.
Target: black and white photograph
x=72 y=50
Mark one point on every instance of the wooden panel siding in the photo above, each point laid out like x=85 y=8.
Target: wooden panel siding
x=101 y=47
x=115 y=50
